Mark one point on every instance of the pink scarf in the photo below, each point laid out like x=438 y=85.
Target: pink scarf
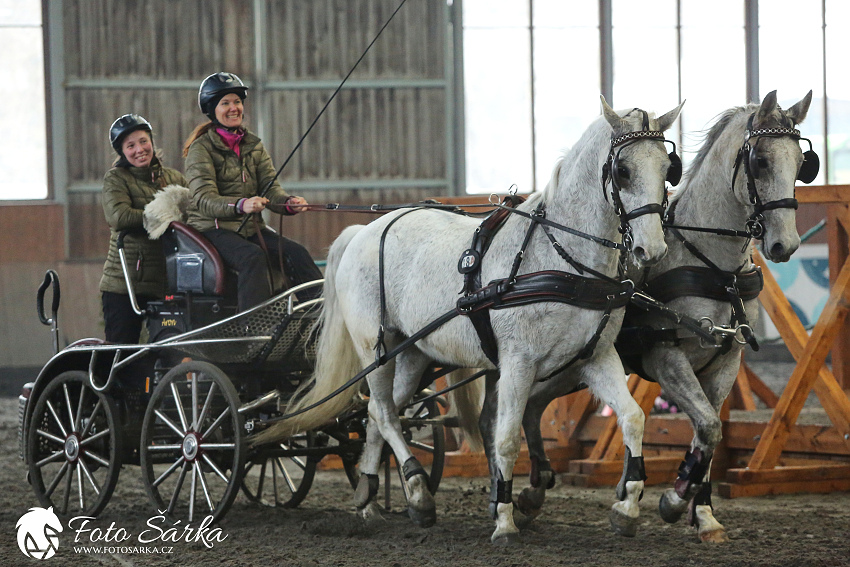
x=232 y=139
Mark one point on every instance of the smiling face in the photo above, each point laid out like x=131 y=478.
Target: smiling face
x=137 y=147
x=228 y=111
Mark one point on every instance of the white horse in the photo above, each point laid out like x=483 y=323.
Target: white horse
x=420 y=253
x=699 y=379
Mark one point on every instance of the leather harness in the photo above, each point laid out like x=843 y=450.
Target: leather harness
x=599 y=293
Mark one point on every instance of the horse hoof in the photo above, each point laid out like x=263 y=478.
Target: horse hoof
x=669 y=513
x=714 y=536
x=529 y=503
x=423 y=518
x=622 y=524
x=506 y=539
x=521 y=519
x=371 y=513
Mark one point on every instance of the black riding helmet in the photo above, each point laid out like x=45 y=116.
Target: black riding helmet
x=125 y=125
x=215 y=87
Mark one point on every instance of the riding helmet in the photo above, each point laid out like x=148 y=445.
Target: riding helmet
x=125 y=125
x=215 y=87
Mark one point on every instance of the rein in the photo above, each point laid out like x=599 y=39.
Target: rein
x=322 y=111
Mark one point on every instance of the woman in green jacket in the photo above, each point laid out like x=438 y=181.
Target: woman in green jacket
x=228 y=169
x=136 y=176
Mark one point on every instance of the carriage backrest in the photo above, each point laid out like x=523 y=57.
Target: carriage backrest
x=193 y=264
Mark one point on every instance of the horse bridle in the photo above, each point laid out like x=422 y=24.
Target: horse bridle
x=748 y=155
x=610 y=172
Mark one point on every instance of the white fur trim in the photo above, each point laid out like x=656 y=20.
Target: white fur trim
x=169 y=205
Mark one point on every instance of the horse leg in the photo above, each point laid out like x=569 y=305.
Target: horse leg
x=514 y=386
x=369 y=482
x=541 y=477
x=487 y=427
x=675 y=374
x=390 y=387
x=716 y=385
x=421 y=506
x=605 y=377
x=487 y=422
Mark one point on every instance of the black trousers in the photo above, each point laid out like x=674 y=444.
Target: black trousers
x=123 y=326
x=247 y=258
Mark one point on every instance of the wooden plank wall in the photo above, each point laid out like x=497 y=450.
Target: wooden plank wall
x=366 y=134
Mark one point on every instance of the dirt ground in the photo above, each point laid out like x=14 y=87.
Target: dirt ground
x=802 y=530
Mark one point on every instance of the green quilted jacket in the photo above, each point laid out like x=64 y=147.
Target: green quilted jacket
x=218 y=178
x=126 y=191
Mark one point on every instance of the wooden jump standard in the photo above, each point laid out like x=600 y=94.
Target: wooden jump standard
x=766 y=472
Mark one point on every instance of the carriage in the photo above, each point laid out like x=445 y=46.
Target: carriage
x=184 y=406
x=237 y=374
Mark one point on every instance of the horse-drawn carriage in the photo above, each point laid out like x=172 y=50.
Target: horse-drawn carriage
x=184 y=405
x=548 y=331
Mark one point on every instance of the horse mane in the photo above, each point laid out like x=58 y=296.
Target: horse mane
x=598 y=130
x=713 y=134
x=722 y=121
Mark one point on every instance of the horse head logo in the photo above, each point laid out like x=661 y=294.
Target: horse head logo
x=38 y=533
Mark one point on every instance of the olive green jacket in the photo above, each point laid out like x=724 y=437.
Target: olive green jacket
x=126 y=191
x=218 y=178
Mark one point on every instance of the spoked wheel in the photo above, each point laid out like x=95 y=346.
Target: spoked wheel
x=74 y=446
x=272 y=478
x=192 y=447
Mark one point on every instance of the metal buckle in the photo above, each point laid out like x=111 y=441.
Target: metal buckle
x=737 y=334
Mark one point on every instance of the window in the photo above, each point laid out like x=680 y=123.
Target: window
x=23 y=146
x=497 y=95
x=791 y=61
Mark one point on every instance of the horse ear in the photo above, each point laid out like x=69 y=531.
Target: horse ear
x=768 y=105
x=798 y=112
x=667 y=120
x=610 y=114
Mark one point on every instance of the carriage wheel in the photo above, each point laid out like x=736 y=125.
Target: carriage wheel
x=276 y=480
x=192 y=447
x=74 y=446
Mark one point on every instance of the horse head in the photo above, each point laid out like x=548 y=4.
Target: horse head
x=772 y=161
x=637 y=167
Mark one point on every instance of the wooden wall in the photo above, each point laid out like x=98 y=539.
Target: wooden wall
x=379 y=133
x=368 y=133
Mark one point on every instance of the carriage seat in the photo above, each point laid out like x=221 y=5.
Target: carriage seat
x=193 y=265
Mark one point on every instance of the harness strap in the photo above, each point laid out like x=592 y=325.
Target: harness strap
x=687 y=281
x=739 y=314
x=380 y=347
x=470 y=266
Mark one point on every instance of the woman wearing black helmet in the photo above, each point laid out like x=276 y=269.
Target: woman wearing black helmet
x=134 y=179
x=228 y=169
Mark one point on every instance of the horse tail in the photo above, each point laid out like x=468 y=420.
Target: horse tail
x=336 y=361
x=466 y=402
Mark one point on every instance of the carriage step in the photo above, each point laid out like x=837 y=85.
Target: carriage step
x=272 y=396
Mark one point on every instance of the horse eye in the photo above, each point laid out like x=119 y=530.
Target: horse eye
x=762 y=163
x=622 y=172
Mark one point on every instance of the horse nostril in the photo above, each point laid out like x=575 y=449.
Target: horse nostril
x=777 y=250
x=640 y=253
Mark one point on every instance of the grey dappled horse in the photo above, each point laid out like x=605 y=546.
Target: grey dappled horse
x=698 y=379
x=421 y=283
